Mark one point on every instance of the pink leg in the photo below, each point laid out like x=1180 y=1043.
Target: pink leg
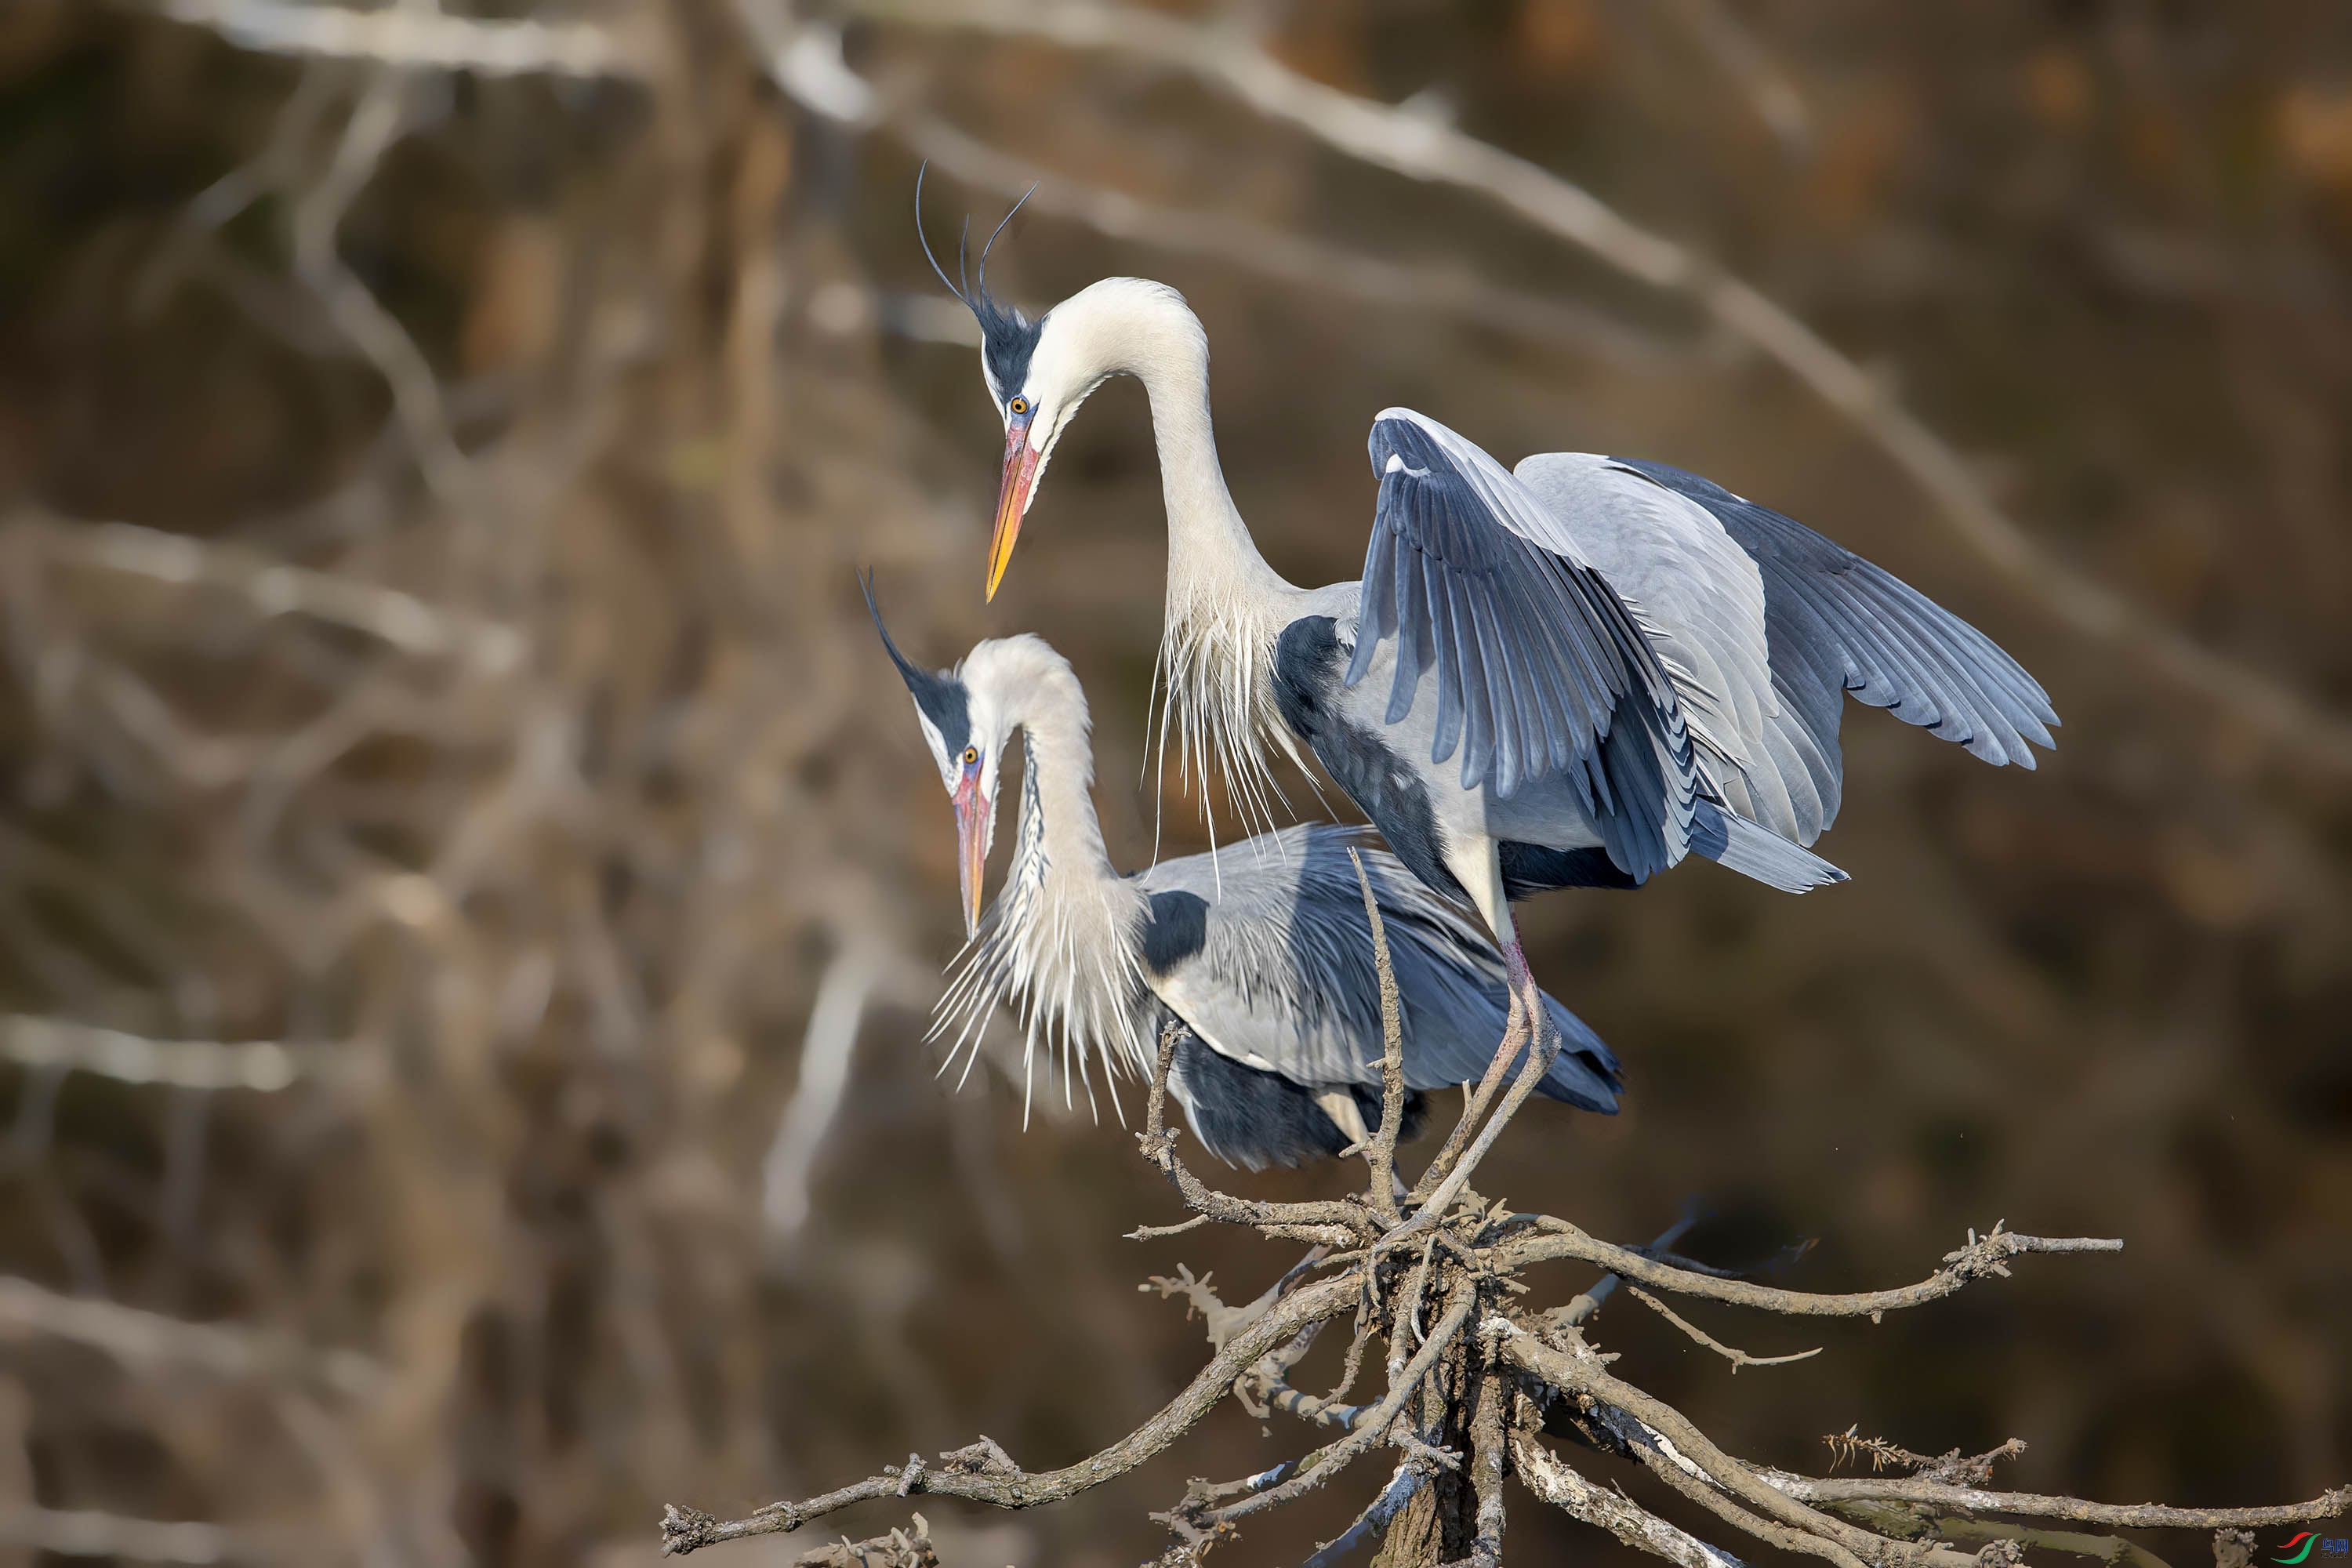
x=1525 y=991
x=1527 y=1011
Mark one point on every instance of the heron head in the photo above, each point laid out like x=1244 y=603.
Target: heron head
x=966 y=735
x=1038 y=373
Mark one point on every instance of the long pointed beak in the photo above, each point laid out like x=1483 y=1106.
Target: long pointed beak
x=972 y=812
x=1011 y=499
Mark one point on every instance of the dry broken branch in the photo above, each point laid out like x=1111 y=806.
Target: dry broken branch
x=1464 y=1407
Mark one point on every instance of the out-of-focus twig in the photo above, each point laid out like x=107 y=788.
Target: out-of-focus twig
x=264 y=1067
x=1743 y=57
x=273 y=589
x=377 y=122
x=825 y=1053
x=82 y=1534
x=149 y=1343
x=420 y=40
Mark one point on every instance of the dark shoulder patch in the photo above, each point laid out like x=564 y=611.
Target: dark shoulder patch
x=1306 y=663
x=1531 y=868
x=1179 y=928
x=1307 y=672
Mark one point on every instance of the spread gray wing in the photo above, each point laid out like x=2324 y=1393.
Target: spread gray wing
x=1541 y=669
x=1699 y=597
x=1837 y=624
x=1267 y=954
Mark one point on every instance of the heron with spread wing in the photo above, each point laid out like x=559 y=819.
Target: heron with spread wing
x=1574 y=674
x=1268 y=967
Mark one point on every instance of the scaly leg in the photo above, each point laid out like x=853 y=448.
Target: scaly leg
x=1531 y=1023
x=1476 y=865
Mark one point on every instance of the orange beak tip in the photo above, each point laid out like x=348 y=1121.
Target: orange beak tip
x=1011 y=502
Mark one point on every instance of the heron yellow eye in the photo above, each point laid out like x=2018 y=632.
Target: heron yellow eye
x=970 y=756
x=1019 y=406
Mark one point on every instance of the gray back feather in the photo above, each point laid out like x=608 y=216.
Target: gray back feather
x=1283 y=977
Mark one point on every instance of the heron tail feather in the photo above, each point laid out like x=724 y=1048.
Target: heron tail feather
x=1758 y=852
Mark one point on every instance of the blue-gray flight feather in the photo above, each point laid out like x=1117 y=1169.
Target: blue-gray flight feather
x=1542 y=670
x=1837 y=624
x=1269 y=961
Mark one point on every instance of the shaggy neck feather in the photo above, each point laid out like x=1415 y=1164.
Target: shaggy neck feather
x=1225 y=605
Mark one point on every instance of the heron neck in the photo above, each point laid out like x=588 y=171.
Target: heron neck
x=1214 y=564
x=1058 y=833
x=1225 y=605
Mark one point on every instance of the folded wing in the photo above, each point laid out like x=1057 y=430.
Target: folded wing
x=1269 y=958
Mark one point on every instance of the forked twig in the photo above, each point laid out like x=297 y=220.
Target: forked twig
x=1736 y=1357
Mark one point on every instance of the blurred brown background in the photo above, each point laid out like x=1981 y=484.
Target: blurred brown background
x=453 y=804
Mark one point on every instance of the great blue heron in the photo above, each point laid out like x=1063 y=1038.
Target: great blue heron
x=1632 y=661
x=1268 y=966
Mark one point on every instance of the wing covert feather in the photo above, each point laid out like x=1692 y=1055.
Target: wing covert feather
x=1282 y=977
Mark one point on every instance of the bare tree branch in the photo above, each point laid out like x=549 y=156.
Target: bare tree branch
x=1737 y=1357
x=1550 y=1478
x=984 y=1473
x=1370 y=1524
x=1985 y=1255
x=2146 y=1515
x=1380 y=1154
x=898 y=1549
x=1372 y=1426
x=1584 y=1375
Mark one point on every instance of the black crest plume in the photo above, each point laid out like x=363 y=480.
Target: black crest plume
x=941 y=696
x=1007 y=338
